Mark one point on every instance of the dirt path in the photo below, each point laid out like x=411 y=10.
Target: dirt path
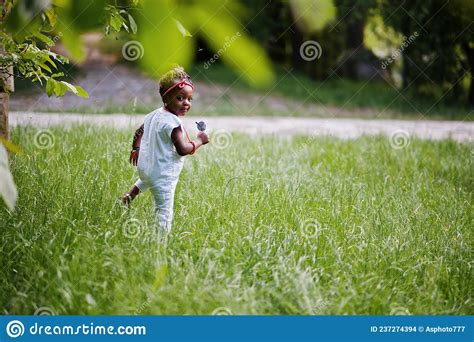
x=341 y=128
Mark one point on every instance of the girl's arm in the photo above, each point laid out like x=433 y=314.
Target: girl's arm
x=137 y=139
x=184 y=148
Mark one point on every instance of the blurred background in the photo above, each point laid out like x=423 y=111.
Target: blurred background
x=366 y=59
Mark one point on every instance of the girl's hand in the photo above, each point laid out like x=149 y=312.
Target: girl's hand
x=203 y=137
x=134 y=157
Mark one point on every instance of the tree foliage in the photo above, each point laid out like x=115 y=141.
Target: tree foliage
x=437 y=62
x=26 y=37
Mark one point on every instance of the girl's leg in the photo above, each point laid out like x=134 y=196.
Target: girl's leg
x=164 y=200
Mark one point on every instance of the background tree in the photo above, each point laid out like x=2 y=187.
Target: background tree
x=440 y=59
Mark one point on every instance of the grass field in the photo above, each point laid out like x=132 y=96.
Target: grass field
x=266 y=226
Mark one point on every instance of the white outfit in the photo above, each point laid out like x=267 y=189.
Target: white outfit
x=159 y=165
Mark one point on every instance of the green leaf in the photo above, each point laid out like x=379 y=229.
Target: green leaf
x=72 y=41
x=7 y=186
x=44 y=66
x=76 y=90
x=133 y=24
x=52 y=17
x=116 y=21
x=25 y=18
x=182 y=29
x=81 y=92
x=231 y=44
x=11 y=147
x=38 y=76
x=85 y=15
x=313 y=15
x=60 y=89
x=70 y=87
x=29 y=55
x=45 y=39
x=50 y=86
x=163 y=45
x=50 y=61
x=60 y=58
x=74 y=17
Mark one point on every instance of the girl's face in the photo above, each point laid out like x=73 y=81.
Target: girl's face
x=179 y=101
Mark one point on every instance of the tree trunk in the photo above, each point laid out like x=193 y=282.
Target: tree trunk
x=470 y=99
x=6 y=86
x=354 y=39
x=297 y=40
x=4 y=130
x=470 y=59
x=405 y=73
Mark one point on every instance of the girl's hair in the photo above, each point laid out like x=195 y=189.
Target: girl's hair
x=169 y=78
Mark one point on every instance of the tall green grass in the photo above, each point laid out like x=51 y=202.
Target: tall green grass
x=263 y=226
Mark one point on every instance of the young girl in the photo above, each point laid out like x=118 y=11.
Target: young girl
x=158 y=146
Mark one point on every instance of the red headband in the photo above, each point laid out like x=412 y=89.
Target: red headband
x=180 y=84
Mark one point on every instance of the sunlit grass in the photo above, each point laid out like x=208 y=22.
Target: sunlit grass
x=263 y=226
